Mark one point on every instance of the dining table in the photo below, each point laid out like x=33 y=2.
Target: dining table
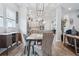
x=33 y=38
x=75 y=38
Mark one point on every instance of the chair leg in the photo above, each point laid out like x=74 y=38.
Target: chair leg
x=29 y=48
x=25 y=50
x=33 y=49
x=35 y=53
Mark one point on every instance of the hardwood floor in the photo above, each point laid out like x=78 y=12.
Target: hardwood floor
x=58 y=49
x=18 y=51
x=14 y=51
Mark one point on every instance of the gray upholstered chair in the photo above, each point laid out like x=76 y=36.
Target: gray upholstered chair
x=46 y=48
x=26 y=46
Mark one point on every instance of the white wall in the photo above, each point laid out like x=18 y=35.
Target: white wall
x=58 y=23
x=23 y=20
x=73 y=15
x=47 y=25
x=49 y=16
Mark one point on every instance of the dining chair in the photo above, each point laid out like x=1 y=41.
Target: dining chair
x=26 y=46
x=46 y=48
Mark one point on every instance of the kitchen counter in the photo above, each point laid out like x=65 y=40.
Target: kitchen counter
x=7 y=33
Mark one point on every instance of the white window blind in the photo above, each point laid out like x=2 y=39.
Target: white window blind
x=1 y=10
x=10 y=14
x=10 y=18
x=11 y=23
x=1 y=22
x=1 y=16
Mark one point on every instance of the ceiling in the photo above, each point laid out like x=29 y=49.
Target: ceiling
x=49 y=8
x=73 y=6
x=33 y=5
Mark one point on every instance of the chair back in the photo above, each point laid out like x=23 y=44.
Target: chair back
x=47 y=43
x=24 y=36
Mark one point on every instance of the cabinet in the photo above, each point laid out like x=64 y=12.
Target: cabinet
x=10 y=43
x=5 y=41
x=9 y=39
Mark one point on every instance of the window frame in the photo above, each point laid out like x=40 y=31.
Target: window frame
x=9 y=18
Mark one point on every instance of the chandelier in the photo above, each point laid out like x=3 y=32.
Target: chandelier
x=40 y=9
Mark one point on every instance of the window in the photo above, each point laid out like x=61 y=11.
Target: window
x=10 y=14
x=10 y=18
x=1 y=22
x=11 y=23
x=1 y=10
x=1 y=16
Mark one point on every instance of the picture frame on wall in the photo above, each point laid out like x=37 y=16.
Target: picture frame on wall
x=16 y=17
x=71 y=21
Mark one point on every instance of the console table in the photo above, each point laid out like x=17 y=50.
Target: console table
x=74 y=38
x=9 y=41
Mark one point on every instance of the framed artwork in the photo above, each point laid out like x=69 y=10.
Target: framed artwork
x=71 y=21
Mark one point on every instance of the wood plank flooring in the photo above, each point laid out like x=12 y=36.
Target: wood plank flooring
x=58 y=49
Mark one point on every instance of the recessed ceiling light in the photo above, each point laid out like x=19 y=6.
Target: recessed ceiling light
x=69 y=8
